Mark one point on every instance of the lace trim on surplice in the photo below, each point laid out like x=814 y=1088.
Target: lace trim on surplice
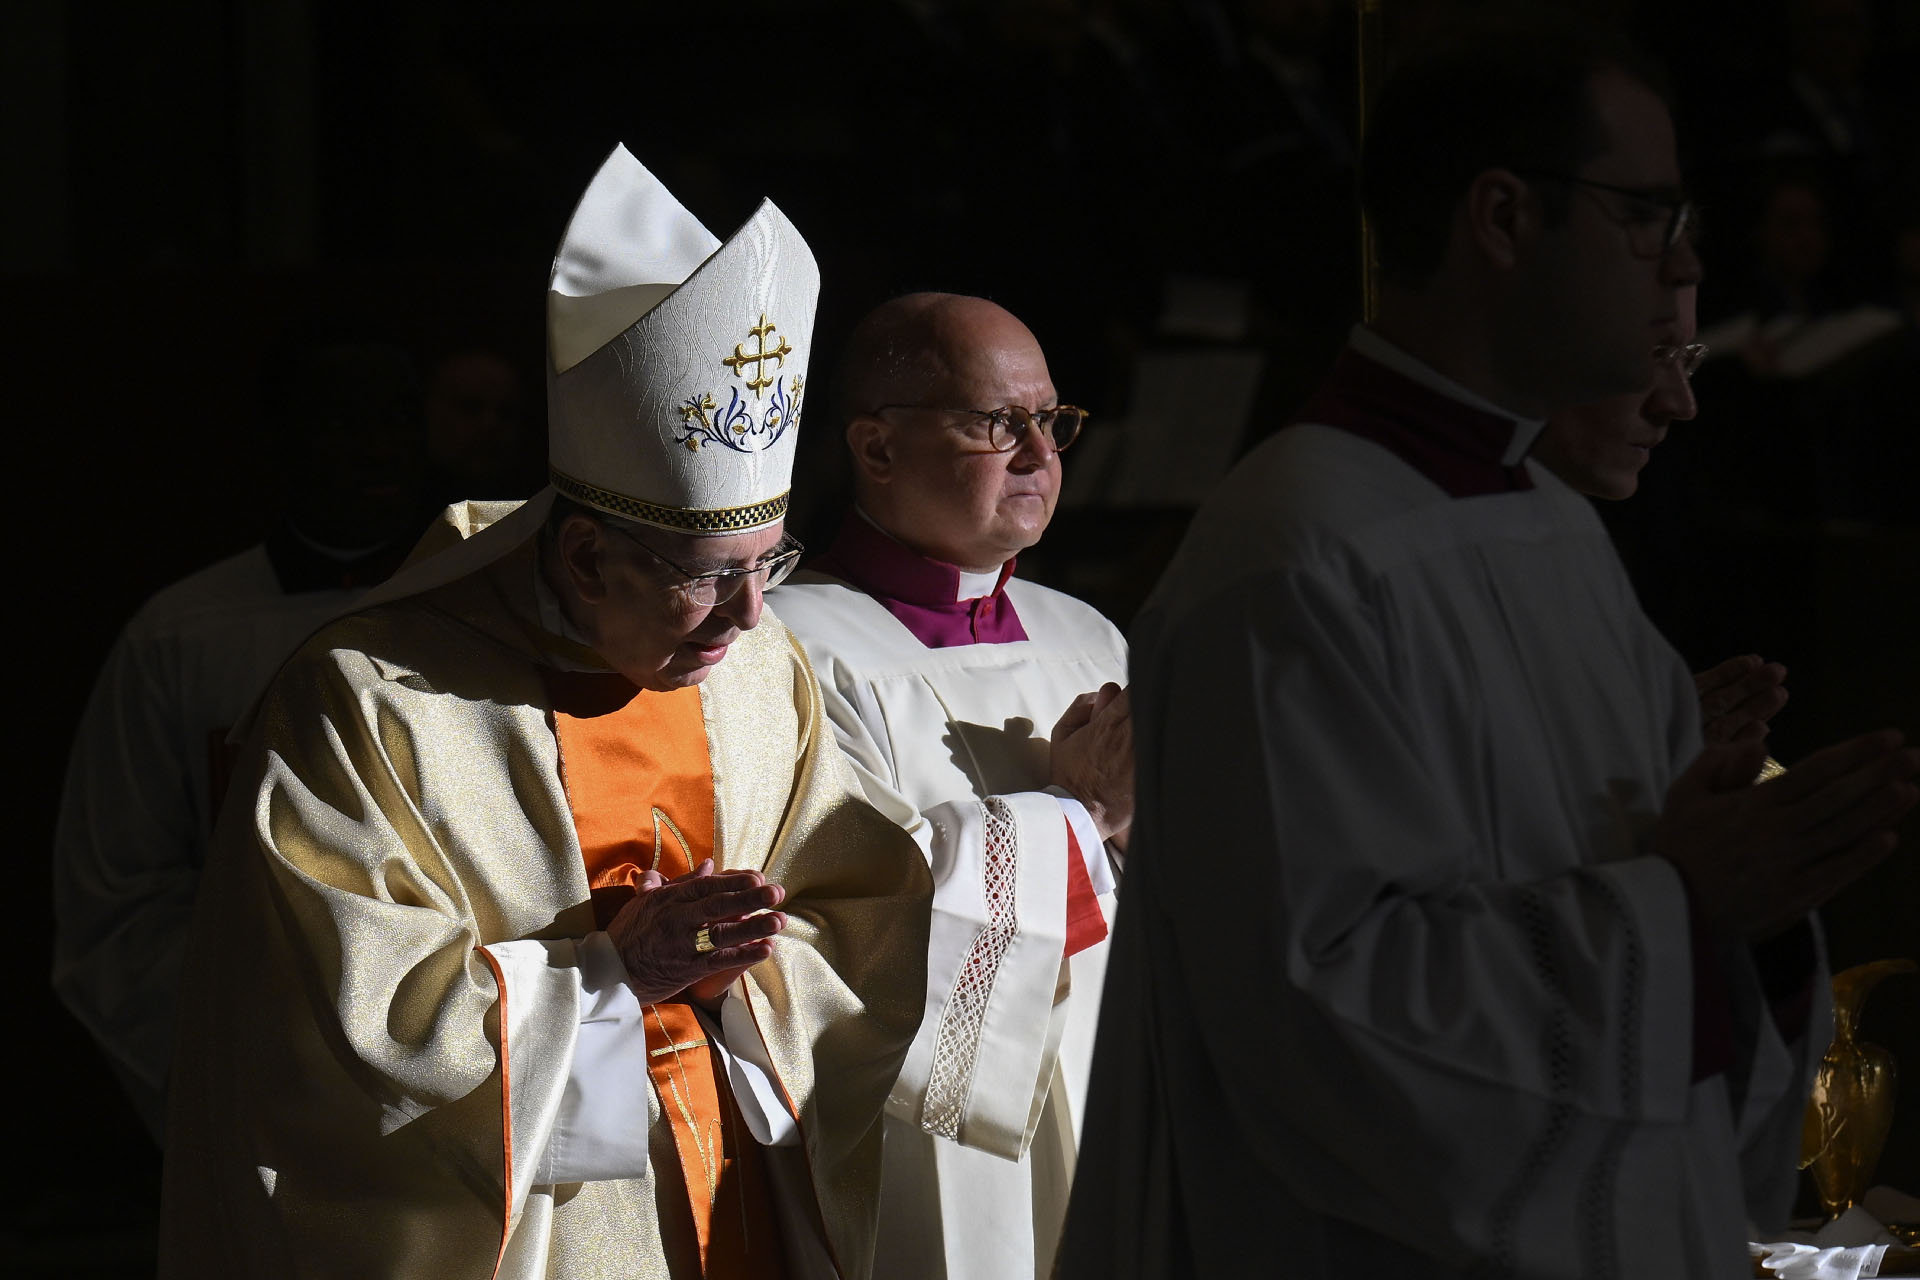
x=956 y=1046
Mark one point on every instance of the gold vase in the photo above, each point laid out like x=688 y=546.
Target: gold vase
x=1852 y=1105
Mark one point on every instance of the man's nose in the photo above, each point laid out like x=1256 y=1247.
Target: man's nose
x=1680 y=266
x=743 y=610
x=1672 y=399
x=1035 y=449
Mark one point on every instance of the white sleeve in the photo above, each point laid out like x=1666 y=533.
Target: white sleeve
x=606 y=1110
x=595 y=1126
x=978 y=1070
x=126 y=862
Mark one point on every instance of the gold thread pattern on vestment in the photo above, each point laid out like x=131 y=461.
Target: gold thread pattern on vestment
x=660 y=819
x=705 y=1142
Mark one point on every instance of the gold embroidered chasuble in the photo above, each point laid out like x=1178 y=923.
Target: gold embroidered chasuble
x=363 y=1088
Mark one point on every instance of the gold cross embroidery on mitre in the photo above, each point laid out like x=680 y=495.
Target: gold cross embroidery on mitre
x=758 y=358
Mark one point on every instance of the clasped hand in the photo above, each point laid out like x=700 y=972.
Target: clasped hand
x=1739 y=697
x=1092 y=757
x=656 y=932
x=1758 y=858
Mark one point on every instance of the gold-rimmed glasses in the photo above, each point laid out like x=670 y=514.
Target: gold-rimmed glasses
x=716 y=587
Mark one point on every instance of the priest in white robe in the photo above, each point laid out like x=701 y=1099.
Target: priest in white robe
x=545 y=932
x=982 y=712
x=1446 y=949
x=150 y=756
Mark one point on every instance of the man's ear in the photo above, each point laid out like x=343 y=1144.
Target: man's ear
x=870 y=440
x=1502 y=213
x=582 y=544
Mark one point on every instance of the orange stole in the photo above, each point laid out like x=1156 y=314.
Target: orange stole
x=640 y=785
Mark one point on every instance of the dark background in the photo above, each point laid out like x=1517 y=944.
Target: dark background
x=193 y=186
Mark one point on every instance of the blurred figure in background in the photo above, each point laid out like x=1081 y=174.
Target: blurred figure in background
x=150 y=759
x=478 y=441
x=1439 y=923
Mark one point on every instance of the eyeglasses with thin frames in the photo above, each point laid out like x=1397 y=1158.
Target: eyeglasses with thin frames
x=1646 y=206
x=1008 y=425
x=1686 y=359
x=717 y=587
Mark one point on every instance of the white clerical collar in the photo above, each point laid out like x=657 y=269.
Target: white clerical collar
x=1377 y=349
x=974 y=585
x=970 y=586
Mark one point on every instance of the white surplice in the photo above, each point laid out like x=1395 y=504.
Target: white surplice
x=136 y=809
x=952 y=744
x=1397 y=989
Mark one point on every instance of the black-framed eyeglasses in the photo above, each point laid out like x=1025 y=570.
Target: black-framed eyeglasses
x=1008 y=425
x=716 y=587
x=1686 y=359
x=1657 y=218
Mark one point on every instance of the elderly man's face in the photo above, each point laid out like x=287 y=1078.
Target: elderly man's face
x=961 y=501
x=1599 y=448
x=638 y=611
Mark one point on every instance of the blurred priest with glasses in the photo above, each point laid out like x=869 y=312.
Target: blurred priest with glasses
x=1447 y=948
x=986 y=716
x=1599 y=449
x=547 y=933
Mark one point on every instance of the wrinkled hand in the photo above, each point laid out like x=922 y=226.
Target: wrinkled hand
x=1738 y=697
x=1092 y=758
x=654 y=933
x=1758 y=858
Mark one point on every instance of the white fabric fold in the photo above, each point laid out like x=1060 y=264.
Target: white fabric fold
x=629 y=245
x=750 y=1072
x=1810 y=1262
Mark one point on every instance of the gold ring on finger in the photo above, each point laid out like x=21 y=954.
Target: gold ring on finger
x=703 y=941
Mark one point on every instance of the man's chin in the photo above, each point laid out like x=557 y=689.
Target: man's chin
x=1619 y=483
x=675 y=677
x=688 y=666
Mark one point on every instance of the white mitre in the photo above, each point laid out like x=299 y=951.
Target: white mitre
x=676 y=364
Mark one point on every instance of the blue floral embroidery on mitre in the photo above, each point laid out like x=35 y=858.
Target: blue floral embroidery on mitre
x=735 y=427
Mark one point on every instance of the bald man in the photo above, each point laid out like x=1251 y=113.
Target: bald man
x=985 y=715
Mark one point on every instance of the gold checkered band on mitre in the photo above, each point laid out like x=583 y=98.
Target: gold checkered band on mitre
x=723 y=520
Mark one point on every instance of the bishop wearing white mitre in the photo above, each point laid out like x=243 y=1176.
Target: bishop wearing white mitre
x=546 y=933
